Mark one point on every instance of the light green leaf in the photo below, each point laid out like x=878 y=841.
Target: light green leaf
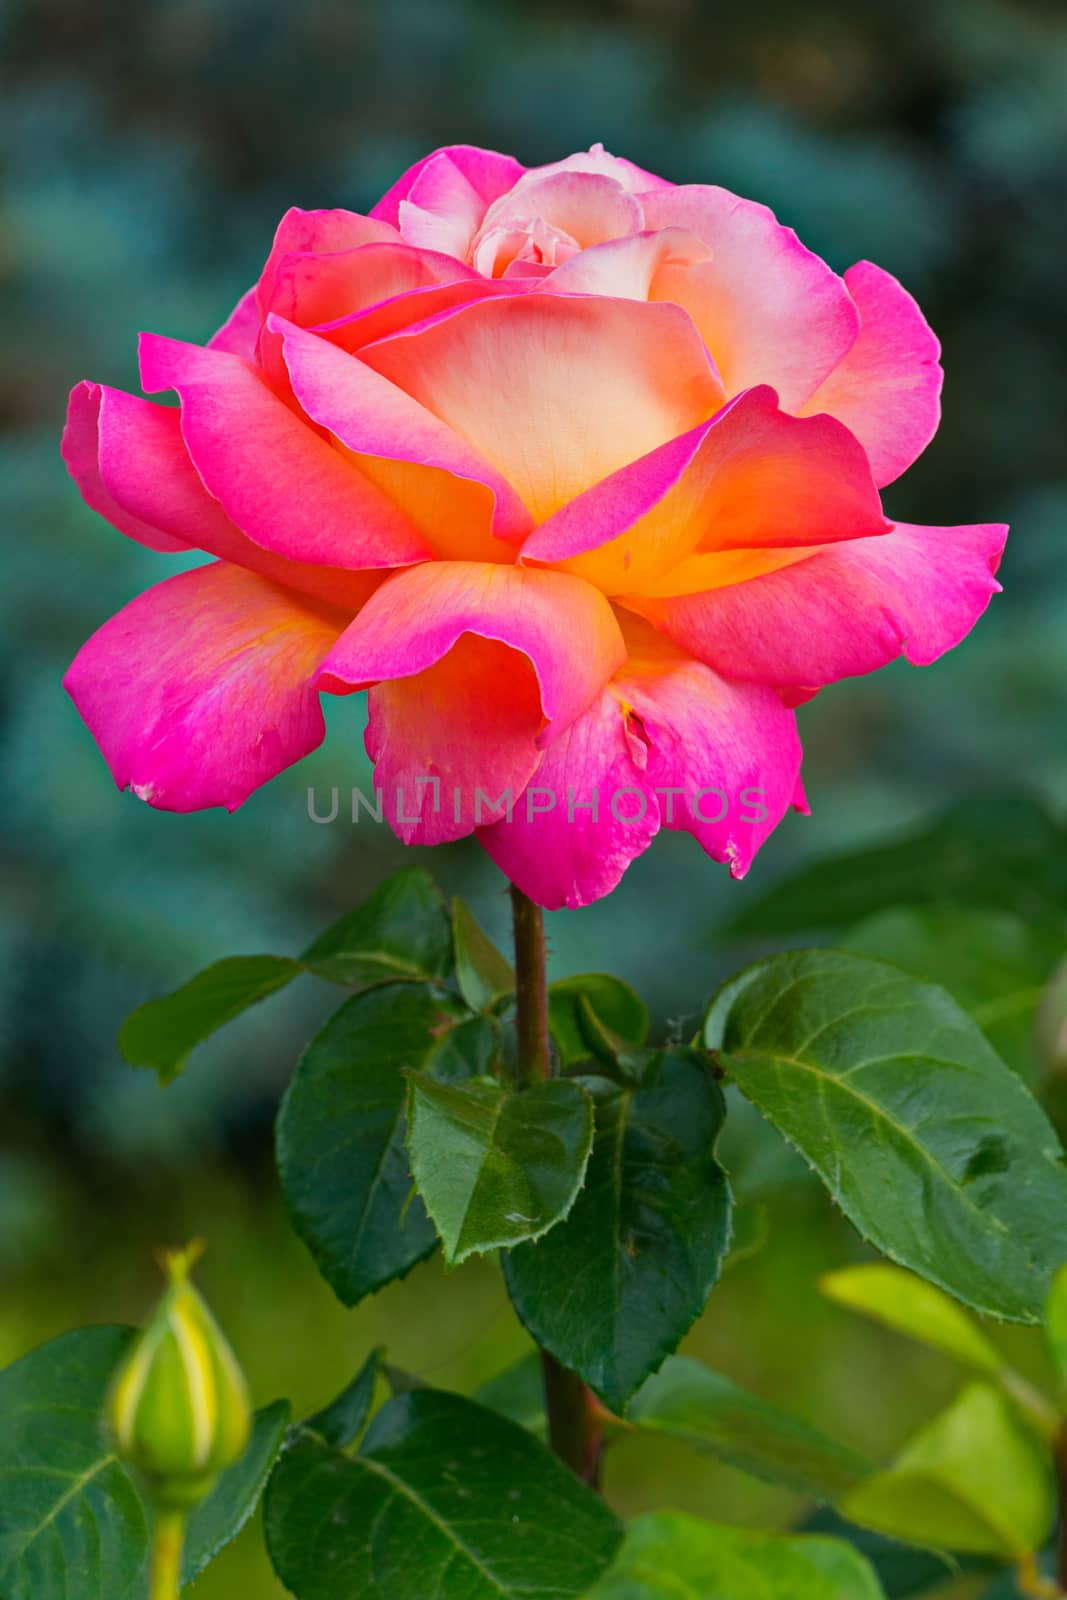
x=444 y=1498
x=975 y=1480
x=483 y=975
x=613 y=1004
x=931 y=1146
x=612 y=1290
x=343 y=1420
x=340 y=1135
x=992 y=962
x=1001 y=848
x=688 y=1402
x=1056 y=1324
x=495 y=1166
x=669 y=1556
x=401 y=931
x=901 y=1301
x=71 y=1521
x=220 y=1518
x=161 y=1033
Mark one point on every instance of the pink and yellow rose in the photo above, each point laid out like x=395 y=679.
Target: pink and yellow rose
x=575 y=471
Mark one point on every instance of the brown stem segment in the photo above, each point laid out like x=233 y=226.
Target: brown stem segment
x=574 y=1427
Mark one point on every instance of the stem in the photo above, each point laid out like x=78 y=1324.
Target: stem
x=573 y=1412
x=168 y=1537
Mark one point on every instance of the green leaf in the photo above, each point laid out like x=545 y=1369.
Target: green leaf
x=71 y=1521
x=904 y=1571
x=930 y=1145
x=401 y=931
x=483 y=975
x=518 y=1393
x=992 y=962
x=903 y=1302
x=343 y=1420
x=669 y=1556
x=1001 y=848
x=688 y=1402
x=340 y=1135
x=1056 y=1324
x=444 y=1498
x=975 y=1479
x=612 y=1290
x=612 y=1002
x=496 y=1166
x=161 y=1033
x=220 y=1518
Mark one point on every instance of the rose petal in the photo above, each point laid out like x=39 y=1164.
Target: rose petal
x=239 y=334
x=81 y=452
x=321 y=233
x=200 y=690
x=487 y=173
x=887 y=389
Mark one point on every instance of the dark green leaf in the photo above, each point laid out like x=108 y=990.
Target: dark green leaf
x=220 y=1517
x=689 y=1402
x=931 y=1146
x=903 y=1571
x=496 y=1166
x=669 y=1556
x=612 y=1290
x=401 y=931
x=996 y=849
x=71 y=1522
x=340 y=1137
x=343 y=1420
x=444 y=1499
x=974 y=1479
x=613 y=1004
x=161 y=1033
x=993 y=963
x=483 y=975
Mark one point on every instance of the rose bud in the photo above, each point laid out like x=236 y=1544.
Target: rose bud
x=178 y=1407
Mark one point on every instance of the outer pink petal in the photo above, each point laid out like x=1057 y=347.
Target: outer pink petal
x=278 y=480
x=846 y=610
x=488 y=173
x=404 y=310
x=239 y=334
x=81 y=452
x=888 y=387
x=770 y=310
x=589 y=810
x=556 y=391
x=417 y=616
x=321 y=233
x=723 y=758
x=200 y=690
x=751 y=478
x=148 y=479
x=373 y=418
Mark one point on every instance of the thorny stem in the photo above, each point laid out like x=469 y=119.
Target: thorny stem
x=574 y=1414
x=168 y=1537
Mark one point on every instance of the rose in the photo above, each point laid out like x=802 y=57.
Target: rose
x=576 y=471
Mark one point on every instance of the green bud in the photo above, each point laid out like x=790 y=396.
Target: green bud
x=1050 y=1032
x=178 y=1406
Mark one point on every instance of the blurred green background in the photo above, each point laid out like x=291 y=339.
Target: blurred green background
x=149 y=148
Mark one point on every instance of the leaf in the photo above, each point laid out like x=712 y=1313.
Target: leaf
x=340 y=1134
x=904 y=1571
x=992 y=962
x=343 y=1420
x=444 y=1498
x=934 y=1150
x=71 y=1521
x=975 y=1479
x=903 y=1302
x=161 y=1033
x=670 y=1556
x=220 y=1518
x=483 y=975
x=612 y=1290
x=518 y=1393
x=1056 y=1324
x=612 y=1002
x=496 y=1166
x=687 y=1401
x=401 y=931
x=1001 y=848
